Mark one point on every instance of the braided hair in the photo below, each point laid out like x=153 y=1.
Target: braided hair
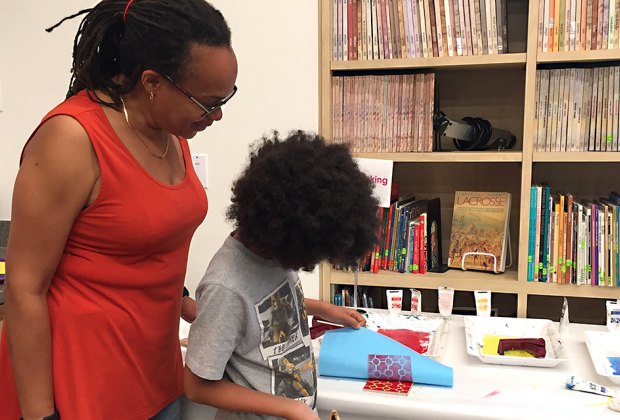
x=120 y=38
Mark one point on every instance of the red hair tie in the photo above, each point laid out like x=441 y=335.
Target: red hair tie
x=126 y=8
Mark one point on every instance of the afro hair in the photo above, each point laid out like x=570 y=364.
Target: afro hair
x=302 y=201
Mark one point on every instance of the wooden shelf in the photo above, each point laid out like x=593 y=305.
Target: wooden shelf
x=576 y=157
x=508 y=156
x=582 y=56
x=572 y=290
x=473 y=280
x=457 y=279
x=494 y=61
x=502 y=89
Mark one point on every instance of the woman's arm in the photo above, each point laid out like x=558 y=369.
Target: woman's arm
x=338 y=314
x=232 y=397
x=54 y=183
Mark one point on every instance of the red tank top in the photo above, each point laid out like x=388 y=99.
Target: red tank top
x=115 y=299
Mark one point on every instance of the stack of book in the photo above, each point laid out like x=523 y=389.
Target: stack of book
x=573 y=241
x=577 y=25
x=384 y=29
x=577 y=109
x=389 y=113
x=409 y=238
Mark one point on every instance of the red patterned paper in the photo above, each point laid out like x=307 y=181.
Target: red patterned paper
x=392 y=387
x=415 y=340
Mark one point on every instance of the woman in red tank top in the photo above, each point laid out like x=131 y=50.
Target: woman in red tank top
x=104 y=208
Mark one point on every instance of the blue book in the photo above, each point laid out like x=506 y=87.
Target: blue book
x=545 y=220
x=531 y=246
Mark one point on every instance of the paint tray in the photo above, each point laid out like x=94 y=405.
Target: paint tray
x=604 y=349
x=479 y=328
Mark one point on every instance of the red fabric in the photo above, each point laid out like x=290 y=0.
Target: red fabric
x=115 y=299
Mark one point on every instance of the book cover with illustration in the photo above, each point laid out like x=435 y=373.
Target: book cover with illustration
x=479 y=228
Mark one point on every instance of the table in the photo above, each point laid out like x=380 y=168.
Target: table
x=481 y=391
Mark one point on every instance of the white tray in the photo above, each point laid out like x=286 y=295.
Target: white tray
x=601 y=345
x=437 y=327
x=477 y=327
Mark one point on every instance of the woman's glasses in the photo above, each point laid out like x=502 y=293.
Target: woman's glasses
x=207 y=109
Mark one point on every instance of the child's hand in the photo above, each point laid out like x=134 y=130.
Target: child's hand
x=345 y=316
x=300 y=411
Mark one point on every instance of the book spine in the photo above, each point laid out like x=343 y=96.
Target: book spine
x=416 y=248
x=423 y=243
x=438 y=27
x=532 y=234
x=433 y=29
x=537 y=242
x=542 y=263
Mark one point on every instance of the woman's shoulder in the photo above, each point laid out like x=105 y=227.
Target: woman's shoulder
x=75 y=105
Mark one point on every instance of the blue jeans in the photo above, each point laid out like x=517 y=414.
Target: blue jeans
x=170 y=412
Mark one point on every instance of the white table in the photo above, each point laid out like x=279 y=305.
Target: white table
x=481 y=391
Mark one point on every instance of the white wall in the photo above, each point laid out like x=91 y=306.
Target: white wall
x=276 y=46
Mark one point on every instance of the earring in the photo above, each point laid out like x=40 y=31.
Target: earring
x=151 y=96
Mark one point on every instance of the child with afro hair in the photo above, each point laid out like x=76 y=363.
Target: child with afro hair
x=300 y=201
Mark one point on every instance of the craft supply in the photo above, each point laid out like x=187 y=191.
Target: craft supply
x=445 y=300
x=490 y=346
x=322 y=321
x=483 y=302
x=415 y=340
x=416 y=302
x=394 y=301
x=390 y=387
x=426 y=335
x=389 y=367
x=344 y=354
x=578 y=384
x=533 y=346
x=564 y=320
x=613 y=315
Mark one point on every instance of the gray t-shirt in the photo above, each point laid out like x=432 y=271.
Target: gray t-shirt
x=252 y=327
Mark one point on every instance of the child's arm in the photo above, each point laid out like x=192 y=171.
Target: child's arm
x=232 y=397
x=339 y=314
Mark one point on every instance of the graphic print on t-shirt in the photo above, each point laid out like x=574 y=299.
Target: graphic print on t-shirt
x=293 y=375
x=303 y=313
x=279 y=321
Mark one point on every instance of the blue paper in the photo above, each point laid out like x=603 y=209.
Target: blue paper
x=344 y=353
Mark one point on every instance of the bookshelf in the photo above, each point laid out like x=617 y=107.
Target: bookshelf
x=506 y=98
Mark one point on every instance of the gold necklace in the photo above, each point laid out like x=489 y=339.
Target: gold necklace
x=163 y=155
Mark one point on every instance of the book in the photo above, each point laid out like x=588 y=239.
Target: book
x=479 y=235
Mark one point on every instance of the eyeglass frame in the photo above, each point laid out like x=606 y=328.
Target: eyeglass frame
x=206 y=109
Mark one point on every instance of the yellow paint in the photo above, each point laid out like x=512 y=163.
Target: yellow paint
x=490 y=343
